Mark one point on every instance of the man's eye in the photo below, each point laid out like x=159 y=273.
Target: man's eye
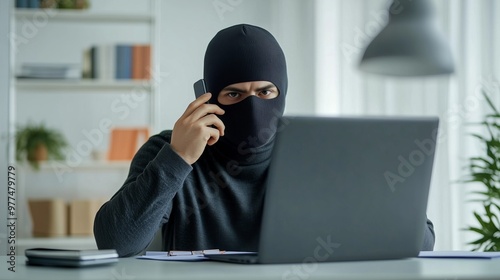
x=233 y=94
x=266 y=92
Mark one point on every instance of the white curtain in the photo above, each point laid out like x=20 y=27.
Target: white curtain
x=344 y=27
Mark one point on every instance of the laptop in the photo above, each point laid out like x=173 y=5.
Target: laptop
x=345 y=189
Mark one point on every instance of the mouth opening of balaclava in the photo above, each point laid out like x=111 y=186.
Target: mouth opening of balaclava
x=246 y=53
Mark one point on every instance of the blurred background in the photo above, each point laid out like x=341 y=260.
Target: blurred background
x=62 y=73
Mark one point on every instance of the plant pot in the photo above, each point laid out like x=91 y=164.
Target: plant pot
x=39 y=154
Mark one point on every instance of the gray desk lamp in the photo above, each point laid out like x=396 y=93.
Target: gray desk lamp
x=410 y=45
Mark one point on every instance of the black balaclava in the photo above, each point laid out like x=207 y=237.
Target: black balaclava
x=245 y=53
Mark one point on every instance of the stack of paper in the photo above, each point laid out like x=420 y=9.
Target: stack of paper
x=50 y=71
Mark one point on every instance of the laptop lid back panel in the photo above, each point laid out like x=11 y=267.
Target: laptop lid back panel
x=347 y=189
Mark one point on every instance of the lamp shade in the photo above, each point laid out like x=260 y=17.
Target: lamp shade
x=410 y=45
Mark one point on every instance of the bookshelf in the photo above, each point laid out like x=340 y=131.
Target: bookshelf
x=72 y=105
x=92 y=165
x=41 y=19
x=73 y=86
x=84 y=15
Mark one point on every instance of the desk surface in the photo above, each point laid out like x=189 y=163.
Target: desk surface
x=131 y=268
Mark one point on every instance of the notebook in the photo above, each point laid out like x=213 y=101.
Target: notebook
x=345 y=189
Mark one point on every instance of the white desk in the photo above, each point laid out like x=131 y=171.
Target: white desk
x=131 y=268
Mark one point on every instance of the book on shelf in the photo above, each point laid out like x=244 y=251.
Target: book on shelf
x=146 y=67
x=120 y=62
x=123 y=62
x=53 y=4
x=49 y=71
x=32 y=4
x=87 y=64
x=137 y=62
x=125 y=142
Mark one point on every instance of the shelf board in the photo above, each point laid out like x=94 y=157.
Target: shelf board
x=87 y=165
x=82 y=15
x=81 y=84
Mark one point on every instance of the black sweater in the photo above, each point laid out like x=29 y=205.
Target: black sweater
x=214 y=203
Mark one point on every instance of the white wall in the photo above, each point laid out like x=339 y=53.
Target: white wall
x=294 y=26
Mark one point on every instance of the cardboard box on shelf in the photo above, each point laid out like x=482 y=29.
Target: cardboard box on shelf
x=49 y=217
x=81 y=216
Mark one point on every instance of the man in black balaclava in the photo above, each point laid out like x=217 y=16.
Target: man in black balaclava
x=203 y=181
x=252 y=55
x=241 y=61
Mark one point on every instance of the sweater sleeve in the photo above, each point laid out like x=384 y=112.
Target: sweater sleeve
x=429 y=237
x=130 y=219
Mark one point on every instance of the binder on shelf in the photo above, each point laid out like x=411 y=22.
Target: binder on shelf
x=111 y=62
x=123 y=62
x=137 y=62
x=94 y=57
x=102 y=63
x=125 y=142
x=22 y=4
x=146 y=68
x=100 y=60
x=34 y=4
x=87 y=64
x=120 y=62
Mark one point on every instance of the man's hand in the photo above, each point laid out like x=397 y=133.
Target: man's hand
x=196 y=128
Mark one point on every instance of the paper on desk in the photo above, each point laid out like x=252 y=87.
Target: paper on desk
x=459 y=254
x=163 y=256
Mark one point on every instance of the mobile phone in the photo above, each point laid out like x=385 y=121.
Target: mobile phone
x=199 y=88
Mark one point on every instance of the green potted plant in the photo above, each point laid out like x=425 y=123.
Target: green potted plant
x=36 y=143
x=485 y=170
